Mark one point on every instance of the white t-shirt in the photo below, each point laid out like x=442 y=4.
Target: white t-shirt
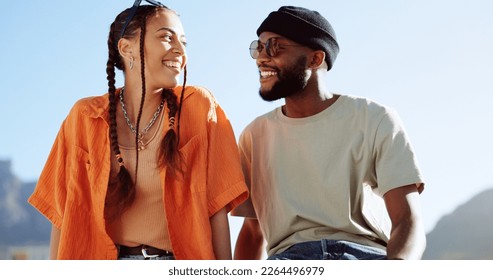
x=308 y=177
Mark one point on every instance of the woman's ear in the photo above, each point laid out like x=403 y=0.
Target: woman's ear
x=317 y=59
x=125 y=48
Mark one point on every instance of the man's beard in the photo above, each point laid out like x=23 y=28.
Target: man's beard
x=290 y=81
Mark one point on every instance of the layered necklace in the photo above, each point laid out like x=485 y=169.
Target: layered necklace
x=140 y=138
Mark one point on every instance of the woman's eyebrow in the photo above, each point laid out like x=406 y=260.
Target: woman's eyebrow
x=167 y=29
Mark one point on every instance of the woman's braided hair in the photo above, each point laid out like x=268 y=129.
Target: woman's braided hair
x=121 y=188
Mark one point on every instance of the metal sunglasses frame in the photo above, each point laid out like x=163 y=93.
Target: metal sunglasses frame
x=271 y=47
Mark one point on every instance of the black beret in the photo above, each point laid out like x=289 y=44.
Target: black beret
x=305 y=27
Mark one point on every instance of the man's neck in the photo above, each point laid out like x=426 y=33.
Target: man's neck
x=307 y=103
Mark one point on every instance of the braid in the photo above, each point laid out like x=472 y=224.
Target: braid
x=121 y=190
x=142 y=74
x=170 y=155
x=181 y=99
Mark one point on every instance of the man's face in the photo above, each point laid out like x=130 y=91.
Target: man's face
x=288 y=81
x=283 y=74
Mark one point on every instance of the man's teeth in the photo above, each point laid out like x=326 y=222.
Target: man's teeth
x=172 y=64
x=265 y=74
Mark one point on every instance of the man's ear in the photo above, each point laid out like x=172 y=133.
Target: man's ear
x=317 y=59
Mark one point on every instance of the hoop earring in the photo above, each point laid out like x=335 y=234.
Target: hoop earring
x=131 y=62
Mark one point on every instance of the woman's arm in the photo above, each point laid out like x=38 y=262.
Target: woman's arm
x=221 y=239
x=54 y=241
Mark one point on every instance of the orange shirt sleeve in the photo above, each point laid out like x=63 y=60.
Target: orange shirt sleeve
x=226 y=183
x=50 y=193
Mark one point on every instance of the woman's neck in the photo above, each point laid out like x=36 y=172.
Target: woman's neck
x=132 y=96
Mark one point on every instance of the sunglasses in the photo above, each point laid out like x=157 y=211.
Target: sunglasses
x=272 y=47
x=133 y=10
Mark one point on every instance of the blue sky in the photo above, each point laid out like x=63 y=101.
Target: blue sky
x=430 y=60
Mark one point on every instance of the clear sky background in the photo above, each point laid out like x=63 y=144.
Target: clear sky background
x=432 y=61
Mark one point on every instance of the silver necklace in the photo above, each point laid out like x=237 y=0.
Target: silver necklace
x=140 y=140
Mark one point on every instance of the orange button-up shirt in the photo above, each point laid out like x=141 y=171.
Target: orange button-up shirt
x=72 y=187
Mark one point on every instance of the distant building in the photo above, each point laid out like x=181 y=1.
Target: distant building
x=39 y=252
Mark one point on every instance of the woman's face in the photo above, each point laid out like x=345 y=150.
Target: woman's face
x=165 y=53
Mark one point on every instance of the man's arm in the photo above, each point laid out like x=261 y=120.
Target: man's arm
x=407 y=236
x=250 y=242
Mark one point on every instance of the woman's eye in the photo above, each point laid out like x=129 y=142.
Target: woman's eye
x=167 y=37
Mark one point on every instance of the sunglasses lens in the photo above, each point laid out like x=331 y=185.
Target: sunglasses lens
x=271 y=47
x=255 y=49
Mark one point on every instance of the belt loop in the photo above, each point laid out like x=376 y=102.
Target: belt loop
x=146 y=256
x=325 y=252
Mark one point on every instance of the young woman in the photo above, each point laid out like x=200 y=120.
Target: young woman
x=149 y=170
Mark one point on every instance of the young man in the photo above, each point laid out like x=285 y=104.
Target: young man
x=331 y=176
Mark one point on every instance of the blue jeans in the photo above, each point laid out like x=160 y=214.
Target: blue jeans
x=140 y=257
x=330 y=250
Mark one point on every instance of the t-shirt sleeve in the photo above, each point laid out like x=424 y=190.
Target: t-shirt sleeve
x=395 y=162
x=49 y=196
x=246 y=208
x=225 y=182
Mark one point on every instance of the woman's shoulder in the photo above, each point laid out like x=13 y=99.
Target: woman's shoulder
x=200 y=97
x=92 y=101
x=195 y=92
x=92 y=106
